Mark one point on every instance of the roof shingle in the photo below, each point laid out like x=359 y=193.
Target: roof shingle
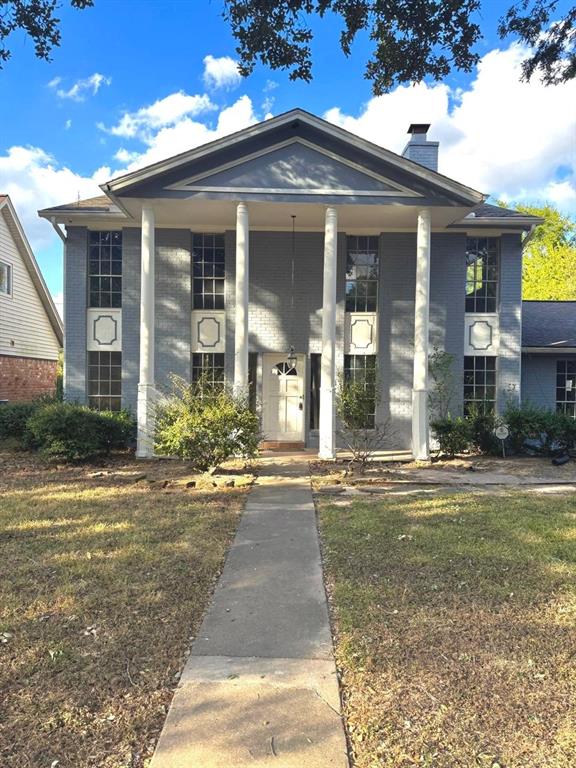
x=549 y=324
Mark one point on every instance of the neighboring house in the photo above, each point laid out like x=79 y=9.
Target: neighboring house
x=30 y=328
x=282 y=256
x=549 y=355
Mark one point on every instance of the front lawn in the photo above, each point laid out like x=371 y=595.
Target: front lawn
x=456 y=628
x=104 y=577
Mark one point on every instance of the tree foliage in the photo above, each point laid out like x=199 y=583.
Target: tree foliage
x=411 y=39
x=37 y=19
x=549 y=266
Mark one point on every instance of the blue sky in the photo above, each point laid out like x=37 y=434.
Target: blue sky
x=131 y=83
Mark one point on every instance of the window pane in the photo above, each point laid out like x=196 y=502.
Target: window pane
x=105 y=380
x=481 y=285
x=105 y=259
x=361 y=273
x=208 y=262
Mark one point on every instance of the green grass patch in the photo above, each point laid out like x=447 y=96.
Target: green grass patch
x=456 y=624
x=103 y=582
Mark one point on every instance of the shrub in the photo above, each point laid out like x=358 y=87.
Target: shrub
x=539 y=429
x=356 y=401
x=205 y=424
x=74 y=432
x=13 y=419
x=454 y=435
x=482 y=426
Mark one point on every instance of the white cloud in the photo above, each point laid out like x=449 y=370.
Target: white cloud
x=221 y=72
x=35 y=180
x=81 y=88
x=499 y=135
x=164 y=112
x=58 y=299
x=187 y=133
x=68 y=124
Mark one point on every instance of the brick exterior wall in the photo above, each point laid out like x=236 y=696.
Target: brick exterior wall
x=24 y=378
x=75 y=291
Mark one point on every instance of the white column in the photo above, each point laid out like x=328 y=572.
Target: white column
x=241 y=329
x=420 y=447
x=328 y=377
x=146 y=388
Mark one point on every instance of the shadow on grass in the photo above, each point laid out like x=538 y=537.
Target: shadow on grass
x=456 y=628
x=101 y=588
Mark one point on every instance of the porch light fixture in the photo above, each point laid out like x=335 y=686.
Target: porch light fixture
x=292 y=358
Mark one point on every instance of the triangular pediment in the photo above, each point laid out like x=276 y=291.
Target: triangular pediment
x=293 y=157
x=296 y=167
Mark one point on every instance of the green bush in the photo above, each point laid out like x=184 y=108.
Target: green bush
x=205 y=424
x=539 y=429
x=482 y=426
x=454 y=435
x=74 y=432
x=13 y=419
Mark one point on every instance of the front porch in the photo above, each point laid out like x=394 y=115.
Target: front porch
x=294 y=386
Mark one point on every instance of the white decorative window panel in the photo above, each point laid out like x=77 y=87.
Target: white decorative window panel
x=208 y=331
x=481 y=335
x=361 y=333
x=104 y=330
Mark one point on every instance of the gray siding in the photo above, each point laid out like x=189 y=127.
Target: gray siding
x=539 y=378
x=447 y=304
x=396 y=332
x=173 y=321
x=130 y=317
x=509 y=362
x=75 y=290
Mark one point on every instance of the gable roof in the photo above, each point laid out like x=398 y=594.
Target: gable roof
x=296 y=122
x=21 y=241
x=549 y=324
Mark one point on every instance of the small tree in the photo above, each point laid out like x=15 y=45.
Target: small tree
x=206 y=424
x=356 y=400
x=440 y=367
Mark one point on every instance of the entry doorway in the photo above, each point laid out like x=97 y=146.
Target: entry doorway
x=283 y=398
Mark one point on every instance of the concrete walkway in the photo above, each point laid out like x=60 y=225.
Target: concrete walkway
x=260 y=686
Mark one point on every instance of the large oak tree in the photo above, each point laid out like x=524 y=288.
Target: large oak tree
x=411 y=39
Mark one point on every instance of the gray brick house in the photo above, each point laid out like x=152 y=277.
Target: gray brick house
x=281 y=256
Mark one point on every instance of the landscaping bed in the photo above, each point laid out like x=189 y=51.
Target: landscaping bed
x=105 y=574
x=455 y=627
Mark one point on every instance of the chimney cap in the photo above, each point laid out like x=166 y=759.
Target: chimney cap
x=418 y=128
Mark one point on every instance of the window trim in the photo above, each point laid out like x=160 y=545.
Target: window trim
x=355 y=280
x=475 y=311
x=94 y=400
x=10 y=270
x=100 y=275
x=476 y=401
x=561 y=405
x=201 y=296
x=347 y=371
x=202 y=367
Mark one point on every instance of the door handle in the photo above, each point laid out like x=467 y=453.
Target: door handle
x=301 y=405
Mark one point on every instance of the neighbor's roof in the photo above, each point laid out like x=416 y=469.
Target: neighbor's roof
x=13 y=222
x=549 y=324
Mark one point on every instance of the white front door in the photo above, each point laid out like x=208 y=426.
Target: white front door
x=282 y=398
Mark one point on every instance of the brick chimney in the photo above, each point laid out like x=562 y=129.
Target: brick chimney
x=419 y=149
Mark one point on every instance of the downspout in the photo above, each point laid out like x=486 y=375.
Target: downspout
x=57 y=229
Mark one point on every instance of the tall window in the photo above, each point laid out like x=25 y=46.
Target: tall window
x=208 y=270
x=362 y=369
x=481 y=274
x=566 y=387
x=479 y=384
x=5 y=278
x=105 y=269
x=209 y=366
x=315 y=374
x=361 y=274
x=105 y=380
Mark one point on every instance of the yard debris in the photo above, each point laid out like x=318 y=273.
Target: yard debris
x=5 y=637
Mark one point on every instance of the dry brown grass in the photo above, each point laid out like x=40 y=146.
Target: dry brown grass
x=456 y=629
x=103 y=582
